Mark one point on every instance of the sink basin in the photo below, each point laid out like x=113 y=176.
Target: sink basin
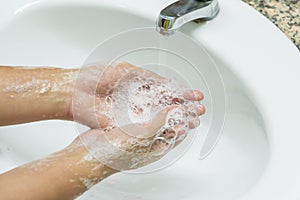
x=256 y=158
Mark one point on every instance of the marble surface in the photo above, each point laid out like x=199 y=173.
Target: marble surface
x=284 y=13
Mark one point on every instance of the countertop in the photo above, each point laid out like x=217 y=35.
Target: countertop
x=283 y=13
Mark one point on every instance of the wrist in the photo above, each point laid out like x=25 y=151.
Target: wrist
x=85 y=166
x=65 y=83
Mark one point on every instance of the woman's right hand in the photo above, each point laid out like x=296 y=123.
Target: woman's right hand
x=95 y=84
x=136 y=145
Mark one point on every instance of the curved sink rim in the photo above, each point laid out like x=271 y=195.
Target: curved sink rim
x=283 y=149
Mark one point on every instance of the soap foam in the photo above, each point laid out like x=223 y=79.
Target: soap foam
x=138 y=98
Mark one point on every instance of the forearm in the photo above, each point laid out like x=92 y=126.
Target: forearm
x=32 y=94
x=63 y=175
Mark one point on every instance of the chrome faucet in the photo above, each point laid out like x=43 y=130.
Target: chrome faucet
x=182 y=11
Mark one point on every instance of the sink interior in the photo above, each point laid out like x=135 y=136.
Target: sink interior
x=63 y=35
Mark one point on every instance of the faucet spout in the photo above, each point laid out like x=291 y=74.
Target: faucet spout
x=177 y=14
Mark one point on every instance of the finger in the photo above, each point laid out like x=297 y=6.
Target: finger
x=169 y=140
x=175 y=131
x=160 y=119
x=158 y=147
x=194 y=123
x=193 y=95
x=200 y=109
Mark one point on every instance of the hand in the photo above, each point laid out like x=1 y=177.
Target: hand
x=137 y=145
x=94 y=88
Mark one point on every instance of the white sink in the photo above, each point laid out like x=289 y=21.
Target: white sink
x=257 y=157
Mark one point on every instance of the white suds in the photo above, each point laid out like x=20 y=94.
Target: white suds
x=45 y=87
x=40 y=86
x=138 y=99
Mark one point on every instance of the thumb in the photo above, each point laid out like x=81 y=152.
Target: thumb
x=150 y=128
